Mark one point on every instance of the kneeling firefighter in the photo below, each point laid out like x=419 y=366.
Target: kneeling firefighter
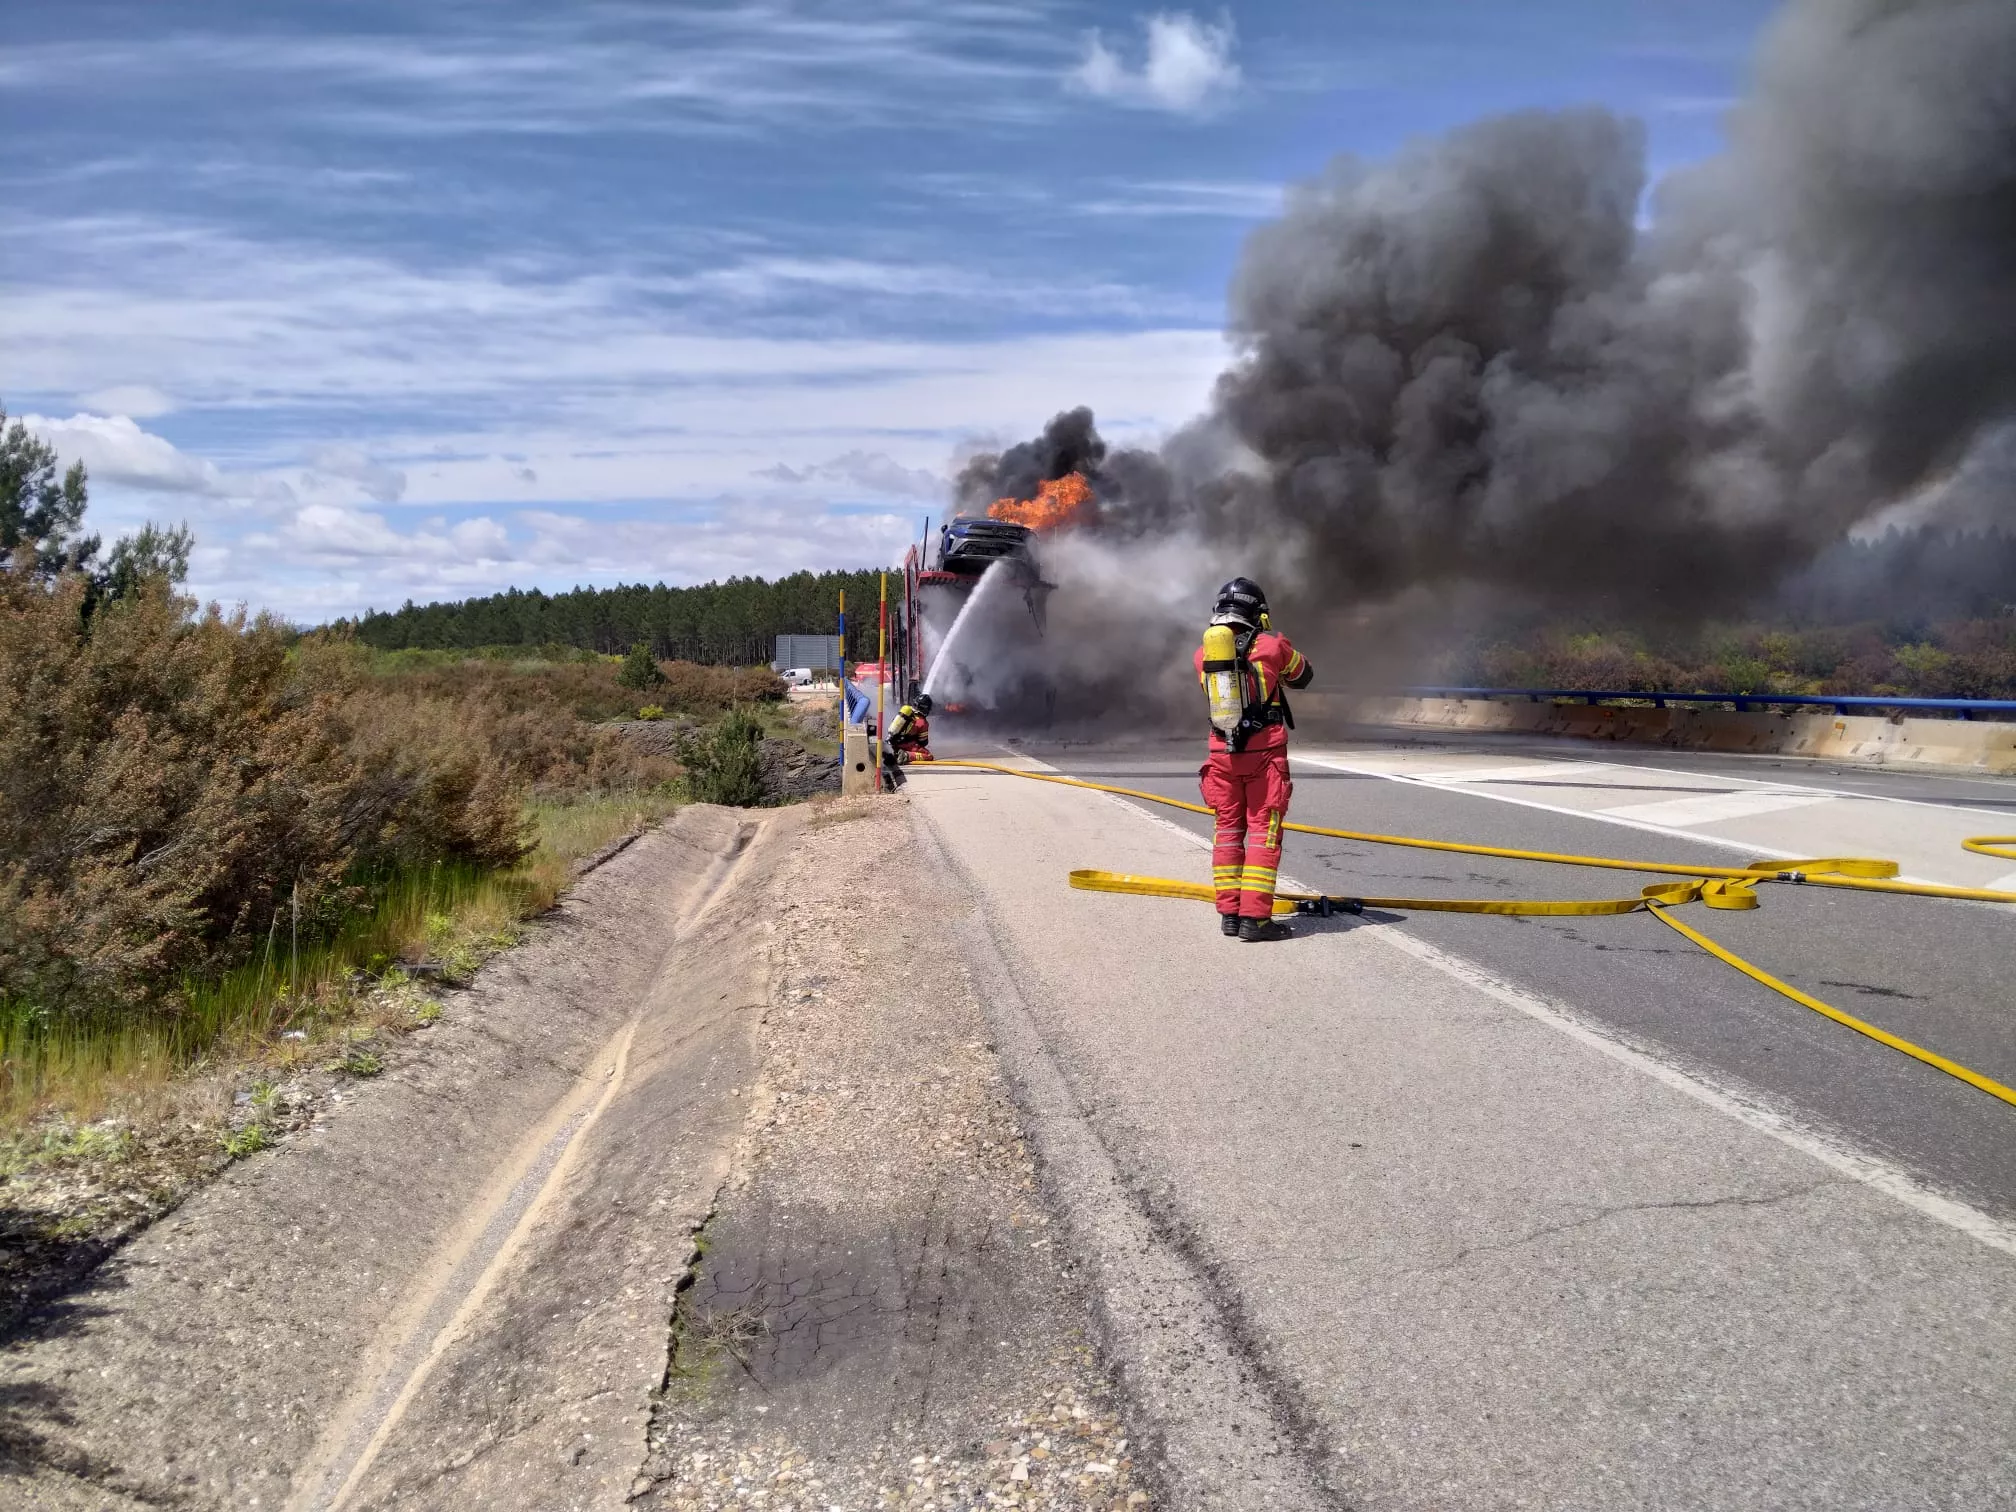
x=1246 y=669
x=909 y=739
x=910 y=730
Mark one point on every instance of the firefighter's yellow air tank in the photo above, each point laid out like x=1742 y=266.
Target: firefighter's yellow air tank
x=1221 y=678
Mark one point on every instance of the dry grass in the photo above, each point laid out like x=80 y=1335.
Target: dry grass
x=214 y=844
x=210 y=836
x=584 y=686
x=70 y=1071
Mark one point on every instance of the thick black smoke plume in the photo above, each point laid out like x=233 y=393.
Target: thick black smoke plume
x=1472 y=364
x=1069 y=444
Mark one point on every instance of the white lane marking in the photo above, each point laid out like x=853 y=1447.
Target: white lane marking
x=2001 y=884
x=1608 y=816
x=1892 y=1181
x=1712 y=808
x=1777 y=783
x=1515 y=773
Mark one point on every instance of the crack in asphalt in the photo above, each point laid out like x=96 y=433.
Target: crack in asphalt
x=1604 y=1213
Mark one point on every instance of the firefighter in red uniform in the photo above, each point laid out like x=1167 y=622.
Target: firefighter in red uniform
x=910 y=730
x=909 y=739
x=1246 y=669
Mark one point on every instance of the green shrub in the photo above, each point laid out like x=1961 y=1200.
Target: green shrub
x=725 y=765
x=640 y=668
x=589 y=689
x=359 y=1060
x=249 y=1140
x=178 y=789
x=651 y=712
x=167 y=784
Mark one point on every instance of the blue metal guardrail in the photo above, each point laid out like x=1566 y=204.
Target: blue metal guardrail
x=1965 y=708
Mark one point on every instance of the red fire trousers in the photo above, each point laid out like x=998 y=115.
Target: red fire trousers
x=1249 y=793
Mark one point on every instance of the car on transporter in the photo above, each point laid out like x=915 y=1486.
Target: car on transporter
x=969 y=545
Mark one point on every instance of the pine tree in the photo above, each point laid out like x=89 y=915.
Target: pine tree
x=36 y=510
x=640 y=668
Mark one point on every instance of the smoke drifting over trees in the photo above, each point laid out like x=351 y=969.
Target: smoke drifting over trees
x=1472 y=363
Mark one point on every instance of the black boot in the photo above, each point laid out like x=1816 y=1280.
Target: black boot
x=1254 y=930
x=1229 y=923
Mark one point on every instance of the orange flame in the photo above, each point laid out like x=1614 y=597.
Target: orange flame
x=1061 y=501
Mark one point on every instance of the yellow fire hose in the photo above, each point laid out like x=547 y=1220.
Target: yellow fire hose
x=1725 y=887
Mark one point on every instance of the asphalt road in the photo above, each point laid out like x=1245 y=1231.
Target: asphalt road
x=1420 y=1211
x=1940 y=974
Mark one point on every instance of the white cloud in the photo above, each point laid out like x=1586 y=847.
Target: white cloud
x=201 y=311
x=322 y=531
x=1232 y=199
x=481 y=540
x=352 y=465
x=339 y=533
x=687 y=69
x=115 y=450
x=743 y=536
x=1186 y=66
x=873 y=472
x=142 y=401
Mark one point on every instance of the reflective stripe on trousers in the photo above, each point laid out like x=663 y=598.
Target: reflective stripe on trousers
x=1249 y=793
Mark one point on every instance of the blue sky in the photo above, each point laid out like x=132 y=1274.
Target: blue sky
x=427 y=299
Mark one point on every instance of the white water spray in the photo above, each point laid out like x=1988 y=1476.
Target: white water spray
x=941 y=661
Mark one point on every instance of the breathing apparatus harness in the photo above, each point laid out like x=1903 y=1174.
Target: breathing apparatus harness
x=1230 y=680
x=916 y=710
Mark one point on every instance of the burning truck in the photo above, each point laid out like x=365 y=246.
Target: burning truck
x=973 y=611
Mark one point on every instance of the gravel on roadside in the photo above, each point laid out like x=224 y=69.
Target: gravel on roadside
x=880 y=1316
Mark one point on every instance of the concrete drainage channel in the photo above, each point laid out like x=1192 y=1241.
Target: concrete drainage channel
x=692 y=1202
x=550 y=1323
x=460 y=1283
x=469 y=1267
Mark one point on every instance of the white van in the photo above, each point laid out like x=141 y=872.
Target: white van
x=797 y=677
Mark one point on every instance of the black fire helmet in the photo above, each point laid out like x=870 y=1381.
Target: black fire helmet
x=1240 y=601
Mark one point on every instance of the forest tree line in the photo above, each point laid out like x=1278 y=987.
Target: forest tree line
x=735 y=622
